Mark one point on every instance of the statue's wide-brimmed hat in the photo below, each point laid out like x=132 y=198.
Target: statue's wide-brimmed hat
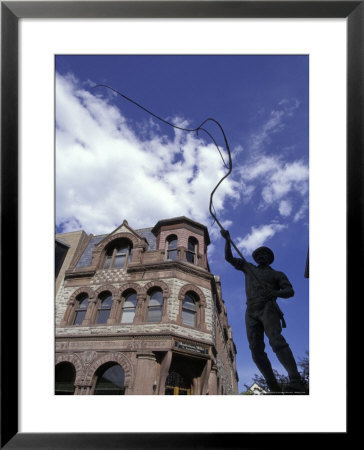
x=264 y=249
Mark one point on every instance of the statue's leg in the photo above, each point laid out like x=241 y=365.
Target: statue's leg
x=255 y=334
x=273 y=329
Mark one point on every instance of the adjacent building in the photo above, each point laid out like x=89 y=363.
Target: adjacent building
x=139 y=312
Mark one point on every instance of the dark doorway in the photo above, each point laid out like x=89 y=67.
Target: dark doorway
x=65 y=379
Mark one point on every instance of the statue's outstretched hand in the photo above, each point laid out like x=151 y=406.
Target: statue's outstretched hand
x=225 y=234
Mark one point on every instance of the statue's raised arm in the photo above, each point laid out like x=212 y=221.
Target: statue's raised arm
x=238 y=263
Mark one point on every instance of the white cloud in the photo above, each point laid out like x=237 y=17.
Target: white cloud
x=290 y=177
x=285 y=208
x=260 y=167
x=214 y=230
x=258 y=237
x=274 y=123
x=105 y=173
x=301 y=212
x=276 y=182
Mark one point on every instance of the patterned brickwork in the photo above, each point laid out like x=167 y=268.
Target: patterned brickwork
x=144 y=350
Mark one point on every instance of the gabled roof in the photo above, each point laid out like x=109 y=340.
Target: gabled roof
x=144 y=233
x=124 y=227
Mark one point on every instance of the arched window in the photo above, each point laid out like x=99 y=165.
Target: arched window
x=118 y=254
x=191 y=254
x=110 y=380
x=172 y=243
x=81 y=308
x=189 y=310
x=104 y=309
x=64 y=379
x=129 y=308
x=155 y=307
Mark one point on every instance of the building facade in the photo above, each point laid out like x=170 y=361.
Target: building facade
x=139 y=312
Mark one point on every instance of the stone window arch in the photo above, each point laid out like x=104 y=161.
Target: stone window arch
x=75 y=361
x=104 y=306
x=81 y=307
x=110 y=358
x=128 y=306
x=192 y=305
x=158 y=284
x=138 y=294
x=117 y=254
x=157 y=294
x=109 y=380
x=78 y=307
x=155 y=305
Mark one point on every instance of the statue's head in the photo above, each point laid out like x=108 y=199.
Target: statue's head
x=263 y=255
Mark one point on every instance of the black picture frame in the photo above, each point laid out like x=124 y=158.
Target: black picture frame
x=11 y=12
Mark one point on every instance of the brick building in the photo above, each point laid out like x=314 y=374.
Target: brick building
x=139 y=312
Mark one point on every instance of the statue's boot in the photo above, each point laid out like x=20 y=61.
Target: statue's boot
x=265 y=367
x=287 y=360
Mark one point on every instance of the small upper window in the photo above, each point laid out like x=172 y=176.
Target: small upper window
x=189 y=310
x=172 y=243
x=118 y=255
x=191 y=254
x=104 y=309
x=81 y=309
x=155 y=307
x=129 y=308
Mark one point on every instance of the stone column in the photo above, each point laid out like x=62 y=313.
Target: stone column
x=114 y=312
x=202 y=319
x=213 y=380
x=145 y=373
x=205 y=378
x=165 y=365
x=137 y=255
x=196 y=386
x=82 y=389
x=140 y=309
x=66 y=317
x=89 y=318
x=181 y=254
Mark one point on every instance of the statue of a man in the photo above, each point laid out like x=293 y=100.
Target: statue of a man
x=263 y=285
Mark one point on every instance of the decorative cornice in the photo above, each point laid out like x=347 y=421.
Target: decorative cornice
x=80 y=273
x=182 y=221
x=171 y=265
x=135 y=336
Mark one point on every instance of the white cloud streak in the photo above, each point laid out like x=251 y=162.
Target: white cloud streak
x=258 y=237
x=274 y=123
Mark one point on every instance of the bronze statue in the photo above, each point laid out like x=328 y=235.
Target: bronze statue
x=263 y=285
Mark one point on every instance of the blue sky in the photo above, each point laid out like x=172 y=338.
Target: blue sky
x=115 y=162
